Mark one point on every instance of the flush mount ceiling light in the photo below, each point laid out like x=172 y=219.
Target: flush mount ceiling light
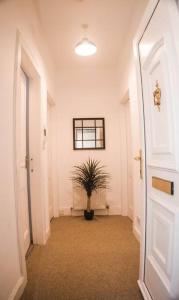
x=85 y=47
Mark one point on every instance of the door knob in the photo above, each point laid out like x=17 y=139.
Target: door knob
x=137 y=157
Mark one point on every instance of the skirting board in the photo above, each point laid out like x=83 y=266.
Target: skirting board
x=136 y=233
x=115 y=210
x=77 y=213
x=70 y=212
x=144 y=290
x=18 y=289
x=47 y=235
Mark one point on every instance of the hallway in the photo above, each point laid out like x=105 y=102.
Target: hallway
x=96 y=260
x=82 y=81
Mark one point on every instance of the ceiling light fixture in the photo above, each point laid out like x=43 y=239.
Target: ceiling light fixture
x=85 y=47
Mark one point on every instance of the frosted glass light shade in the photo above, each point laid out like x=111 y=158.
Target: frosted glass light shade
x=85 y=48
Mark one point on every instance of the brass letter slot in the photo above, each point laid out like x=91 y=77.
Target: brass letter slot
x=163 y=185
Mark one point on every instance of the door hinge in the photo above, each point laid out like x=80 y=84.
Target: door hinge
x=27 y=162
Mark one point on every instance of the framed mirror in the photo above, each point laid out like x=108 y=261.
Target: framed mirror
x=88 y=133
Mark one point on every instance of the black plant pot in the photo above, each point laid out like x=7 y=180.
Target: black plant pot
x=89 y=214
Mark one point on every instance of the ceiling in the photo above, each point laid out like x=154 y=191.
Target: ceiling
x=112 y=24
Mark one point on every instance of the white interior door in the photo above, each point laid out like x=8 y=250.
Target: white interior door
x=50 y=161
x=22 y=158
x=160 y=74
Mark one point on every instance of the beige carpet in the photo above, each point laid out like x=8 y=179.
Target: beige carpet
x=89 y=260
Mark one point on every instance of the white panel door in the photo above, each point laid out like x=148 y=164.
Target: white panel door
x=22 y=152
x=160 y=73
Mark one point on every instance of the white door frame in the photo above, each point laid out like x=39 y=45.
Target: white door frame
x=145 y=20
x=25 y=61
x=130 y=204
x=124 y=193
x=52 y=105
x=126 y=210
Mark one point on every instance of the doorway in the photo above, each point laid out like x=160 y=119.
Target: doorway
x=28 y=117
x=24 y=159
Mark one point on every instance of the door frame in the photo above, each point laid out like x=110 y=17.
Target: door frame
x=26 y=78
x=130 y=202
x=51 y=103
x=51 y=107
x=25 y=60
x=126 y=209
x=141 y=29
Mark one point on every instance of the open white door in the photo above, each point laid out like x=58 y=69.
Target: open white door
x=159 y=63
x=23 y=159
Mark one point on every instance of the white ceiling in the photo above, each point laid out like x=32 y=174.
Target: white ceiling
x=111 y=25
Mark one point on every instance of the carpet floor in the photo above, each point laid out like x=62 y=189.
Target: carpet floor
x=85 y=260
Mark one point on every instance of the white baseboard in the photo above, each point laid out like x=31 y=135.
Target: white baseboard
x=56 y=214
x=144 y=290
x=101 y=212
x=67 y=211
x=77 y=213
x=80 y=212
x=18 y=289
x=47 y=235
x=115 y=210
x=136 y=233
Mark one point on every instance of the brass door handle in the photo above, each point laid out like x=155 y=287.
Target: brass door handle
x=139 y=158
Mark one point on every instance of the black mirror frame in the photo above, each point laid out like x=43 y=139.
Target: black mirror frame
x=86 y=119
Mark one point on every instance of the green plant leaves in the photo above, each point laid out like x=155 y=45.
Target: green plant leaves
x=91 y=176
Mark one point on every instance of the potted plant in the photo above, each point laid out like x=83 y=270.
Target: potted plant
x=91 y=177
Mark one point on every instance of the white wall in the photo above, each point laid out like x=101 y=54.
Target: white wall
x=129 y=86
x=127 y=82
x=133 y=197
x=88 y=93
x=16 y=14
x=126 y=55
